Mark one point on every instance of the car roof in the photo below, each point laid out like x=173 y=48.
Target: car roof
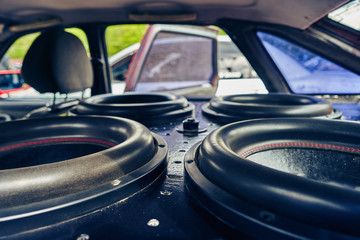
x=14 y=14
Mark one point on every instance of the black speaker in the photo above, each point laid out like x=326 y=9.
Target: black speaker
x=232 y=108
x=147 y=108
x=56 y=169
x=280 y=178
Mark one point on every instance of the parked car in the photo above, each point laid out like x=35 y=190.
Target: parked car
x=159 y=165
x=11 y=81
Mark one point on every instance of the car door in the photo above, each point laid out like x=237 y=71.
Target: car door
x=180 y=59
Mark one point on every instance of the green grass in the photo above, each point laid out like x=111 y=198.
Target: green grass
x=122 y=36
x=21 y=46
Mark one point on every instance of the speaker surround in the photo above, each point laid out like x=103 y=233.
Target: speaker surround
x=54 y=169
x=147 y=108
x=250 y=176
x=232 y=108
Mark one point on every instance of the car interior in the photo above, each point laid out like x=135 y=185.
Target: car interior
x=201 y=142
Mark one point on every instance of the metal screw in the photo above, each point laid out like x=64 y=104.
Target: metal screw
x=116 y=182
x=83 y=236
x=153 y=222
x=166 y=192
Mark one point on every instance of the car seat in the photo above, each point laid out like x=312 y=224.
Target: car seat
x=57 y=62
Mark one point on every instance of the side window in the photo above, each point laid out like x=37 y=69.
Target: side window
x=11 y=82
x=305 y=71
x=177 y=61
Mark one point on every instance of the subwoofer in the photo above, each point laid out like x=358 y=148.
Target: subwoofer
x=56 y=169
x=232 y=108
x=280 y=178
x=147 y=108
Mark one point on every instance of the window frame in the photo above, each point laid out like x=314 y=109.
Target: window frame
x=336 y=69
x=244 y=36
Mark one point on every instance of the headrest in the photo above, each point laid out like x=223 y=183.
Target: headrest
x=57 y=62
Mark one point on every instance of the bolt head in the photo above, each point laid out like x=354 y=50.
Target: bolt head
x=190 y=124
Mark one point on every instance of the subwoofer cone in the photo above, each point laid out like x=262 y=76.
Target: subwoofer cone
x=233 y=108
x=147 y=108
x=54 y=169
x=296 y=178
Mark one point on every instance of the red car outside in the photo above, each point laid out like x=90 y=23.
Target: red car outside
x=11 y=81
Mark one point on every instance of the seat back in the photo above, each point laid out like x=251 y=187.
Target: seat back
x=57 y=62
